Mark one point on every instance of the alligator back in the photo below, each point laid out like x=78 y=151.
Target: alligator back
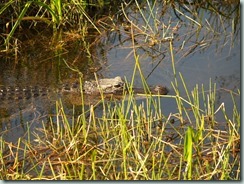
x=107 y=86
x=18 y=93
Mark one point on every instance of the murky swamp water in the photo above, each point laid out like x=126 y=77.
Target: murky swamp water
x=200 y=54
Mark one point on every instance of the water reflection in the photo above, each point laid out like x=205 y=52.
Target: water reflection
x=204 y=47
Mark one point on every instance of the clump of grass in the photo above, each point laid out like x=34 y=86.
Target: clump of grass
x=55 y=14
x=131 y=141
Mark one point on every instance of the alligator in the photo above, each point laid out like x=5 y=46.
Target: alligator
x=108 y=86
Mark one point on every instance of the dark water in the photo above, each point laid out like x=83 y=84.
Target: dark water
x=200 y=54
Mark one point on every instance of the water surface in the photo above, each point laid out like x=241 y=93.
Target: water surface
x=201 y=54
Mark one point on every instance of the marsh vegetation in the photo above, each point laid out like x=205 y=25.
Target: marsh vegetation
x=130 y=138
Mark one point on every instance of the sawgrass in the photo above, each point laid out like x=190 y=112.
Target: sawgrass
x=56 y=14
x=132 y=141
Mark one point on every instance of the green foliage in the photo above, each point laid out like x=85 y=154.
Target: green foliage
x=131 y=140
x=188 y=148
x=62 y=13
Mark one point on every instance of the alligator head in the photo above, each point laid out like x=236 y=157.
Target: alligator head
x=106 y=85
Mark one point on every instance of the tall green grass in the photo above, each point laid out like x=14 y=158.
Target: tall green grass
x=56 y=13
x=132 y=141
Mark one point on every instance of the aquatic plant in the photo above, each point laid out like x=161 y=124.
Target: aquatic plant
x=56 y=13
x=132 y=141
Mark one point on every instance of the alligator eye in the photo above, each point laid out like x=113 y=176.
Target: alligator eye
x=67 y=88
x=117 y=85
